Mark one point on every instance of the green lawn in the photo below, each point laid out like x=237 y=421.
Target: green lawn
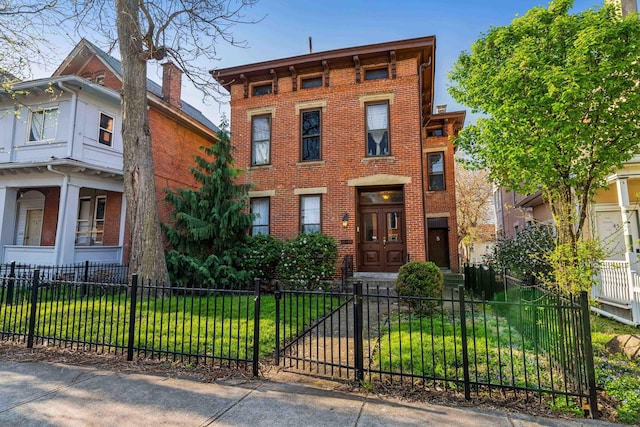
x=215 y=326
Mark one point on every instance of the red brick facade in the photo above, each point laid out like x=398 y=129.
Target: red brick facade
x=345 y=168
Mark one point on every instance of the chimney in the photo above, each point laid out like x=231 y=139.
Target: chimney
x=440 y=109
x=171 y=84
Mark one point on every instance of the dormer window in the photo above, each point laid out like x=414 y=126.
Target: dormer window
x=100 y=79
x=263 y=89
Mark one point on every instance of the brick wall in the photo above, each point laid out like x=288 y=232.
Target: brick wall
x=113 y=209
x=50 y=215
x=343 y=151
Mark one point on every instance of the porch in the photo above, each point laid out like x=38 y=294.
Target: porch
x=618 y=293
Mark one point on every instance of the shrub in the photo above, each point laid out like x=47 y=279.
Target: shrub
x=420 y=279
x=308 y=259
x=261 y=255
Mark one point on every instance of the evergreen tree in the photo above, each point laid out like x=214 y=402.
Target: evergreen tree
x=208 y=224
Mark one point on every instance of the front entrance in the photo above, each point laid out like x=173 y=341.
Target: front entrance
x=439 y=241
x=381 y=232
x=33 y=227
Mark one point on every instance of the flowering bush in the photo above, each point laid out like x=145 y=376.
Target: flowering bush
x=308 y=259
x=526 y=255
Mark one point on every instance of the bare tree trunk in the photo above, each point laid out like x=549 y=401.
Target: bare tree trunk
x=147 y=252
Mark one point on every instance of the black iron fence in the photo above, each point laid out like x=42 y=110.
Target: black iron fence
x=527 y=342
x=136 y=318
x=531 y=346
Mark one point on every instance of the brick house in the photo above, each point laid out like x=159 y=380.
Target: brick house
x=346 y=142
x=61 y=179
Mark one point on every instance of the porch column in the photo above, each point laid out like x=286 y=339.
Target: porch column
x=8 y=207
x=67 y=218
x=623 y=202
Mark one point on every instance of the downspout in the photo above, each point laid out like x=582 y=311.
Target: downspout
x=424 y=202
x=62 y=211
x=72 y=122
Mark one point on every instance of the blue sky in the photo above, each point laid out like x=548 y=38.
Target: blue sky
x=333 y=24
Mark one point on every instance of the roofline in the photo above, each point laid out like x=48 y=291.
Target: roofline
x=190 y=122
x=420 y=42
x=47 y=81
x=59 y=162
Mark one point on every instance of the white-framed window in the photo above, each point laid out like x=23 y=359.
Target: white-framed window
x=43 y=124
x=260 y=208
x=435 y=166
x=310 y=209
x=91 y=219
x=261 y=140
x=105 y=135
x=377 y=119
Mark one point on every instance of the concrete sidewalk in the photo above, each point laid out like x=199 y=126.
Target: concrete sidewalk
x=51 y=394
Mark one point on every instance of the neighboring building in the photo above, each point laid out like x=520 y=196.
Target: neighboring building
x=61 y=163
x=515 y=211
x=345 y=142
x=481 y=249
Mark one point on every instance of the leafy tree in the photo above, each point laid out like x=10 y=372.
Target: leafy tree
x=183 y=31
x=562 y=104
x=21 y=44
x=473 y=204
x=209 y=223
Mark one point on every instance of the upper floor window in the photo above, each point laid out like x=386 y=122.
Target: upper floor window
x=435 y=165
x=106 y=130
x=376 y=73
x=311 y=131
x=260 y=208
x=261 y=140
x=310 y=214
x=100 y=79
x=43 y=124
x=377 y=129
x=264 y=89
x=311 y=82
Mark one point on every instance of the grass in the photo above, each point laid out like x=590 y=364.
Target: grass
x=617 y=374
x=219 y=326
x=431 y=346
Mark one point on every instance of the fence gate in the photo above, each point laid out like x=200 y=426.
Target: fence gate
x=320 y=332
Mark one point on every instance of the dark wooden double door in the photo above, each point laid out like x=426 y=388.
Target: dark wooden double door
x=381 y=238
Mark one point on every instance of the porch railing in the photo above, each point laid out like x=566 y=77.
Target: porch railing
x=618 y=291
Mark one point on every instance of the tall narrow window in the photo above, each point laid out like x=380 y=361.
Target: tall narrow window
x=377 y=129
x=44 y=124
x=435 y=163
x=98 y=220
x=106 y=130
x=260 y=208
x=261 y=137
x=309 y=214
x=311 y=135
